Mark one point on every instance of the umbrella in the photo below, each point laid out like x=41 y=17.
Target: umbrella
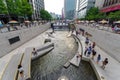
x=92 y=21
x=13 y=22
x=117 y=21
x=103 y=21
x=27 y=21
x=35 y=21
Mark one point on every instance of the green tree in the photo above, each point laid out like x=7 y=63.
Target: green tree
x=12 y=8
x=45 y=15
x=3 y=9
x=94 y=14
x=19 y=8
x=114 y=15
x=25 y=8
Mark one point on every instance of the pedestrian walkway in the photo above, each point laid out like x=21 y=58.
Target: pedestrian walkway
x=4 y=61
x=111 y=71
x=109 y=42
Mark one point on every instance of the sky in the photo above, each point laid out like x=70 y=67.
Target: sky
x=54 y=6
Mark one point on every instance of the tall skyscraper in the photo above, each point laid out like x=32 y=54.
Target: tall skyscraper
x=99 y=3
x=37 y=6
x=83 y=6
x=69 y=8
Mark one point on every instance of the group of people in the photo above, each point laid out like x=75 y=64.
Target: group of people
x=116 y=28
x=90 y=50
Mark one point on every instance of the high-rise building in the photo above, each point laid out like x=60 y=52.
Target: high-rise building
x=99 y=3
x=83 y=6
x=69 y=8
x=37 y=6
x=110 y=6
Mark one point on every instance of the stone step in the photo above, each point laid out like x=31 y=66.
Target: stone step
x=67 y=64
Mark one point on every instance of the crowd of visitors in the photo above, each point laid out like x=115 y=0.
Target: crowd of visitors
x=18 y=26
x=91 y=52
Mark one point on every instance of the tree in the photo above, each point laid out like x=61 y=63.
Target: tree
x=26 y=9
x=95 y=14
x=3 y=9
x=19 y=8
x=11 y=7
x=114 y=15
x=45 y=15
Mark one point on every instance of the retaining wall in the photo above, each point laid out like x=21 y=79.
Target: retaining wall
x=11 y=40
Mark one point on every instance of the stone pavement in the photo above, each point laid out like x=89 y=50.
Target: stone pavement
x=108 y=41
x=112 y=69
x=37 y=41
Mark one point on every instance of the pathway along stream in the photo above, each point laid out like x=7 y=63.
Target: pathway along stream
x=50 y=66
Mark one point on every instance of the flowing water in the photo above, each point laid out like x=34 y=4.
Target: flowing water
x=50 y=66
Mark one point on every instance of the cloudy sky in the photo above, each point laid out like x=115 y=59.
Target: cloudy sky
x=54 y=6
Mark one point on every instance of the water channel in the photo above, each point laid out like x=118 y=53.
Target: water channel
x=50 y=66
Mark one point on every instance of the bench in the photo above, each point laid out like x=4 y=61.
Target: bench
x=26 y=64
x=11 y=70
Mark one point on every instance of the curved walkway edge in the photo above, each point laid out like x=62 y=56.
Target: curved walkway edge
x=111 y=71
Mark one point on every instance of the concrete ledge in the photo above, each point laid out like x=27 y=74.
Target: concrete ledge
x=41 y=53
x=11 y=70
x=94 y=66
x=76 y=59
x=43 y=50
x=26 y=63
x=45 y=46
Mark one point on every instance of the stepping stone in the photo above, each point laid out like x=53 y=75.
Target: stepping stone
x=67 y=64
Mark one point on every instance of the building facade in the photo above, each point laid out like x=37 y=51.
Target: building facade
x=83 y=6
x=99 y=3
x=37 y=6
x=69 y=8
x=110 y=6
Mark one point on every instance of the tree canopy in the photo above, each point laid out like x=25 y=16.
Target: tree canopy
x=17 y=7
x=3 y=8
x=45 y=15
x=94 y=14
x=114 y=15
x=26 y=8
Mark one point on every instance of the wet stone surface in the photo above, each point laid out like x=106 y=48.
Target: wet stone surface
x=50 y=66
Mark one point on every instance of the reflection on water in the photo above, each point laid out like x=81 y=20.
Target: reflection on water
x=50 y=66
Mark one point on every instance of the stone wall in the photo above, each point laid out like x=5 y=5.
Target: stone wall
x=22 y=37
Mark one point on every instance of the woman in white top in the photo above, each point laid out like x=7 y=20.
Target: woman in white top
x=20 y=69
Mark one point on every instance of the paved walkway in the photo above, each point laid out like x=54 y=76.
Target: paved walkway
x=111 y=71
x=108 y=41
x=38 y=41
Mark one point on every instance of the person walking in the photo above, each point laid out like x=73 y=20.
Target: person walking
x=86 y=49
x=93 y=45
x=89 y=50
x=87 y=41
x=98 y=58
x=105 y=62
x=34 y=52
x=52 y=26
x=93 y=54
x=21 y=71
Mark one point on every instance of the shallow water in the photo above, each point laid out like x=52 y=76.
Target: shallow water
x=50 y=66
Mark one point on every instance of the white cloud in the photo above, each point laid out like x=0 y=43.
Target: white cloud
x=54 y=6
